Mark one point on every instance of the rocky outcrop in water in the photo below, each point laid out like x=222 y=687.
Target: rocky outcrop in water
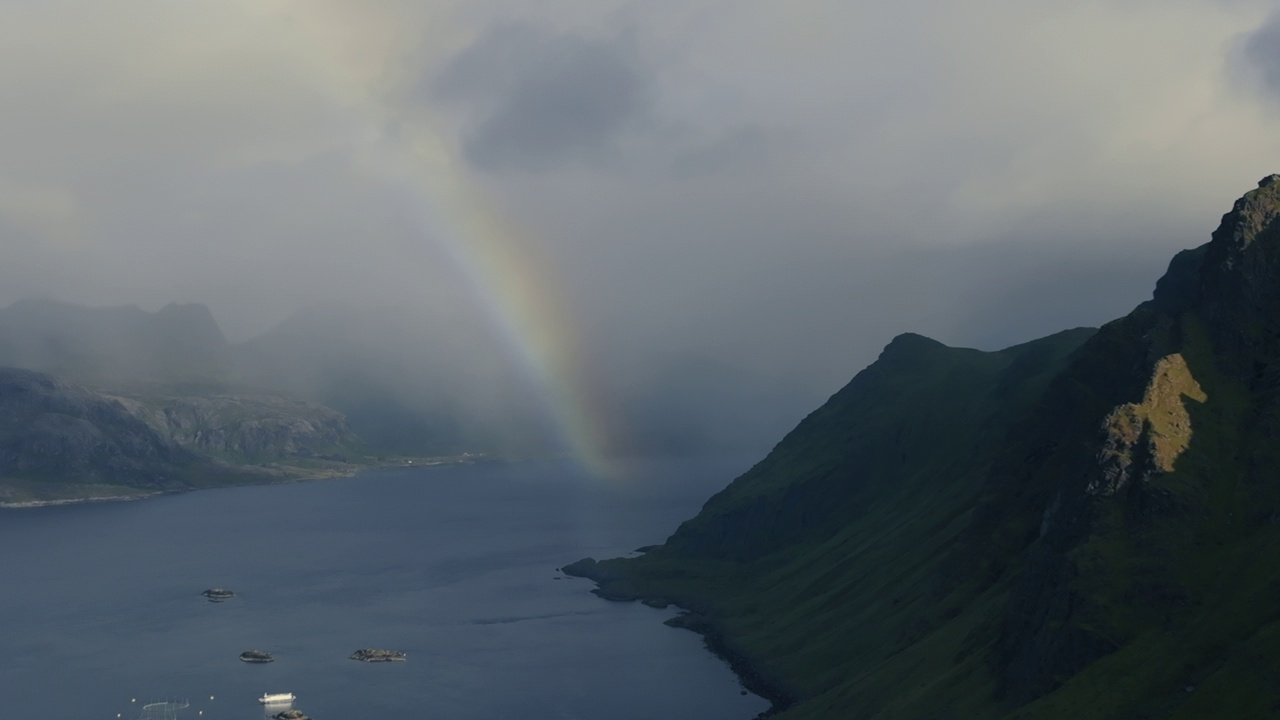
x=256 y=657
x=374 y=655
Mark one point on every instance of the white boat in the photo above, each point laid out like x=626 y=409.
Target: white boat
x=277 y=698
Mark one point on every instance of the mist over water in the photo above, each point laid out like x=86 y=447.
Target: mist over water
x=455 y=566
x=717 y=212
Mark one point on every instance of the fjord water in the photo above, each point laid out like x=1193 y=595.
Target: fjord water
x=456 y=566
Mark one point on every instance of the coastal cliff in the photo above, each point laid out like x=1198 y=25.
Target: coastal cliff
x=60 y=441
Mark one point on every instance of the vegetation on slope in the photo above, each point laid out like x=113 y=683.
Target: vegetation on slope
x=1083 y=526
x=820 y=562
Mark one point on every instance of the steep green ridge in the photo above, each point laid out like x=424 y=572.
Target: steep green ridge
x=1085 y=526
x=819 y=562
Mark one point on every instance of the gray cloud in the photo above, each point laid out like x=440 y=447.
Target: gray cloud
x=740 y=200
x=543 y=99
x=1262 y=51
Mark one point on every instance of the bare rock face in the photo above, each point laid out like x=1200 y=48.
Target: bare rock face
x=241 y=428
x=51 y=430
x=57 y=439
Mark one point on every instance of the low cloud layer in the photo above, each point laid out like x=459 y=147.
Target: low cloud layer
x=717 y=189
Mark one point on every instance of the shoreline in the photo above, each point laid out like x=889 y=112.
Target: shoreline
x=714 y=639
x=25 y=504
x=753 y=681
x=287 y=474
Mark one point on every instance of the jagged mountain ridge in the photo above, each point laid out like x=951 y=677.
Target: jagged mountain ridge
x=1099 y=541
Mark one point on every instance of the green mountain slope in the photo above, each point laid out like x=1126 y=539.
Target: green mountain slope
x=1083 y=526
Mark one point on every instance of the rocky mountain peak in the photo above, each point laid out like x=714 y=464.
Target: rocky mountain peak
x=1239 y=283
x=1233 y=281
x=1251 y=219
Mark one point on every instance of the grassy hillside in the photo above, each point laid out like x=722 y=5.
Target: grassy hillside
x=820 y=563
x=1086 y=526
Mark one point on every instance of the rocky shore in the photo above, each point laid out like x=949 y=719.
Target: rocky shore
x=616 y=587
x=73 y=501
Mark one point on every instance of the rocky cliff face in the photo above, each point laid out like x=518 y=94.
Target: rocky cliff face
x=246 y=428
x=52 y=431
x=1086 y=527
x=61 y=441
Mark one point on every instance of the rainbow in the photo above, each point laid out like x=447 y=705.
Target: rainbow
x=519 y=295
x=490 y=253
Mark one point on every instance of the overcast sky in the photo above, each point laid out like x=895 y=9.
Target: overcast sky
x=776 y=188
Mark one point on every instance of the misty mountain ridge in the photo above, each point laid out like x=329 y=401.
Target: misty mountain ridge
x=410 y=383
x=1080 y=526
x=115 y=345
x=410 y=380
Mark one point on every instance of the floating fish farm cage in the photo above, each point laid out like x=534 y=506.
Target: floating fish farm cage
x=167 y=710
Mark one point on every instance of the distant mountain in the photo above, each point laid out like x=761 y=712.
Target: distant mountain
x=421 y=381
x=59 y=440
x=1087 y=525
x=114 y=345
x=246 y=428
x=409 y=380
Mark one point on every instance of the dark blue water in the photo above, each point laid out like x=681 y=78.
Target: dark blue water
x=455 y=566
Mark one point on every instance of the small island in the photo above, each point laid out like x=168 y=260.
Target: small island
x=218 y=594
x=373 y=655
x=256 y=656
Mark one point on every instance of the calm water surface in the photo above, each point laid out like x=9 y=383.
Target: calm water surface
x=455 y=566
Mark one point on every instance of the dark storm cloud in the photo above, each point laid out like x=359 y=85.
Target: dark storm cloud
x=1262 y=51
x=543 y=99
